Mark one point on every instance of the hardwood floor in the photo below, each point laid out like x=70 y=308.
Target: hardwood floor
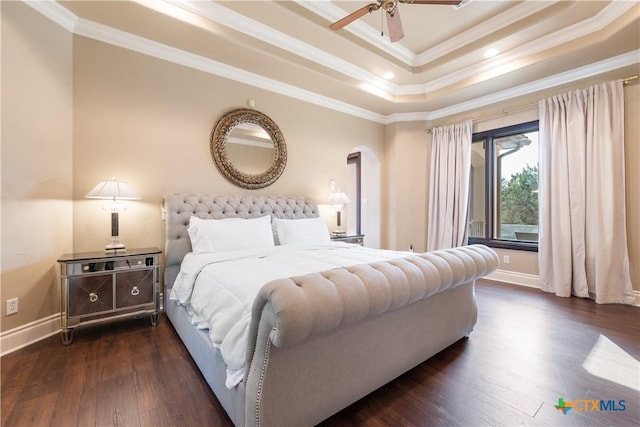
x=528 y=350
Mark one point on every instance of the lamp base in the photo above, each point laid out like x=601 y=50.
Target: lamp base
x=115 y=245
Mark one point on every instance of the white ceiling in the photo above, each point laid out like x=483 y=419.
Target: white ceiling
x=439 y=67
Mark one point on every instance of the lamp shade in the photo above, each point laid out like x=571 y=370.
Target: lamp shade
x=114 y=189
x=338 y=199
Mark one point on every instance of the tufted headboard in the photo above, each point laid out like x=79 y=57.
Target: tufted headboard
x=178 y=208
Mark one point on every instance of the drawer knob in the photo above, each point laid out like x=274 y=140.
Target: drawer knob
x=135 y=291
x=93 y=297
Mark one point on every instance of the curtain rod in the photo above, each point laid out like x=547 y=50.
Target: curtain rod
x=625 y=82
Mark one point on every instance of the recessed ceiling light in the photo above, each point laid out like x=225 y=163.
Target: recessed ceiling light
x=388 y=75
x=490 y=53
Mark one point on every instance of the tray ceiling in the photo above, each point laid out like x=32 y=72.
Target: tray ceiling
x=439 y=68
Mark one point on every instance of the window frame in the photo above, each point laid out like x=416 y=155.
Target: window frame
x=489 y=197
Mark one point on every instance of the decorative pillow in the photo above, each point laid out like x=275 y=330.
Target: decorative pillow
x=230 y=234
x=308 y=230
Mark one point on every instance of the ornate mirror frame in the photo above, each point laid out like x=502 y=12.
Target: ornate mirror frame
x=219 y=135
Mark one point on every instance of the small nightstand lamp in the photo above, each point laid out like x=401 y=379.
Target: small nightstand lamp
x=113 y=190
x=338 y=200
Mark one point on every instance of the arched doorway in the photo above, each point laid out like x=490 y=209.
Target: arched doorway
x=363 y=189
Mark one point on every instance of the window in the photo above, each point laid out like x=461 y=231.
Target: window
x=503 y=201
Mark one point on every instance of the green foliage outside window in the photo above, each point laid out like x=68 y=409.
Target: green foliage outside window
x=519 y=197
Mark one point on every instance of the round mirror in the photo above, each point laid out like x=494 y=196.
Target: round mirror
x=248 y=148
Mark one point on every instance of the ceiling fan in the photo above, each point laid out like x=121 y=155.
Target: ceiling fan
x=393 y=15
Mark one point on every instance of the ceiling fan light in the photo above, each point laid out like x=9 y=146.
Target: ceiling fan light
x=388 y=75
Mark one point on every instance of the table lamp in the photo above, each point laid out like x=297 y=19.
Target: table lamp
x=113 y=190
x=338 y=200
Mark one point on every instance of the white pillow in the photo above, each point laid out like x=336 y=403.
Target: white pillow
x=308 y=230
x=230 y=234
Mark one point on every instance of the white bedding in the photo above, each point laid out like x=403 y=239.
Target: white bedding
x=218 y=289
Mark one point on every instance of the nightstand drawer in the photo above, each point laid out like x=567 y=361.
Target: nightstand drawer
x=134 y=288
x=90 y=295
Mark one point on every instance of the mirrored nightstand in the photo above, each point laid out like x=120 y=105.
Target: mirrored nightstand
x=356 y=239
x=100 y=286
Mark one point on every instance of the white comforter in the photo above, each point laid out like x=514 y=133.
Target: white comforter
x=218 y=289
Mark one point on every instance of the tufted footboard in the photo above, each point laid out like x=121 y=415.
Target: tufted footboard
x=323 y=340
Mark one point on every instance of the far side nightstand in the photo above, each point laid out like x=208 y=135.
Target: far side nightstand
x=357 y=239
x=97 y=287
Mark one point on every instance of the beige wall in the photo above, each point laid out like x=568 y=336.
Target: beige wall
x=36 y=161
x=404 y=186
x=148 y=122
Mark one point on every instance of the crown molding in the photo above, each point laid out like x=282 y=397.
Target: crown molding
x=383 y=88
x=55 y=12
x=476 y=32
x=501 y=64
x=106 y=34
x=388 y=90
x=215 y=12
x=370 y=35
x=109 y=35
x=594 y=69
x=590 y=70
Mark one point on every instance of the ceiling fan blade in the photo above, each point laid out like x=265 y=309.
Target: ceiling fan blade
x=451 y=2
x=395 y=25
x=353 y=16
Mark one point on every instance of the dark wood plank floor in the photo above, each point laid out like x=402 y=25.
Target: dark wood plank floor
x=528 y=349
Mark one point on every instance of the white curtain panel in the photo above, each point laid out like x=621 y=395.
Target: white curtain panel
x=449 y=186
x=582 y=230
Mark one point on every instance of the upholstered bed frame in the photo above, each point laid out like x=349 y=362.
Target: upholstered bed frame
x=320 y=342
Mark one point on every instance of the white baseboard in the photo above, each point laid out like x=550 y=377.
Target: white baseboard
x=22 y=336
x=533 y=281
x=522 y=279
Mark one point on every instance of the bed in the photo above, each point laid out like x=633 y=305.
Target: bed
x=318 y=341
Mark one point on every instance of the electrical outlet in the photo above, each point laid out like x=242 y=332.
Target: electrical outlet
x=12 y=306
x=505 y=259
